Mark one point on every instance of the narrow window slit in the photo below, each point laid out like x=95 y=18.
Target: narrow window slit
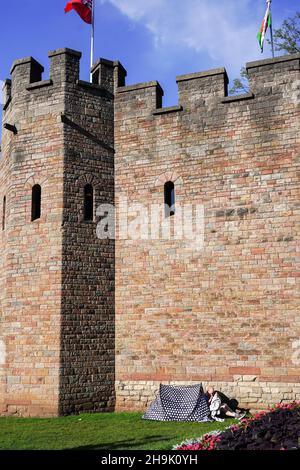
x=88 y=202
x=3 y=213
x=36 y=202
x=169 y=192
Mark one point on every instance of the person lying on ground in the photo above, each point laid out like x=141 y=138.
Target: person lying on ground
x=220 y=409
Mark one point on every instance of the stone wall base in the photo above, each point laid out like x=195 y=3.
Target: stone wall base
x=137 y=396
x=248 y=390
x=28 y=411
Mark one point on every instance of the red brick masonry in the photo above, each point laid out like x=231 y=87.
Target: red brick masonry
x=91 y=325
x=227 y=314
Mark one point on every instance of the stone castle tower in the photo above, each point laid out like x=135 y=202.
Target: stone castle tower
x=91 y=324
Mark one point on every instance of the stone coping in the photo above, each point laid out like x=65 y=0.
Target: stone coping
x=276 y=60
x=65 y=50
x=26 y=60
x=109 y=63
x=86 y=84
x=41 y=84
x=167 y=110
x=139 y=86
x=207 y=73
x=94 y=86
x=242 y=97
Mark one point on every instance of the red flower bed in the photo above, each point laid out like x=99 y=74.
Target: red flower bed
x=275 y=429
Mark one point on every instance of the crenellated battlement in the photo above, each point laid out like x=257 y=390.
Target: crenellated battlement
x=194 y=89
x=108 y=74
x=93 y=323
x=57 y=143
x=26 y=74
x=226 y=310
x=200 y=88
x=25 y=71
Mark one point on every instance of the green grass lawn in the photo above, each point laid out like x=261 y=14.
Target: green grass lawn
x=111 y=431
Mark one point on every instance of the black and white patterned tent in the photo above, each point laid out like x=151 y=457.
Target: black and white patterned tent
x=179 y=404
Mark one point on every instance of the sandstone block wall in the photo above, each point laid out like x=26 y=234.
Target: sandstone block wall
x=231 y=309
x=57 y=278
x=90 y=324
x=31 y=252
x=87 y=304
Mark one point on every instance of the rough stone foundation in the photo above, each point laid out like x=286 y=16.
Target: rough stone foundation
x=249 y=392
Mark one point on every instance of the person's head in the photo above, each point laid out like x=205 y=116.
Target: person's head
x=210 y=390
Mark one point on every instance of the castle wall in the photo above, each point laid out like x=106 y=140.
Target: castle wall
x=3 y=185
x=90 y=324
x=31 y=251
x=226 y=314
x=87 y=321
x=57 y=300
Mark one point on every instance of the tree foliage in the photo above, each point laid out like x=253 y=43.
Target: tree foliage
x=241 y=84
x=286 y=39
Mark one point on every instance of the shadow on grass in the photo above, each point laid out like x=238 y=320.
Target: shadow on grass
x=122 y=445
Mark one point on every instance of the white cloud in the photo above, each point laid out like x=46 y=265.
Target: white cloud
x=223 y=30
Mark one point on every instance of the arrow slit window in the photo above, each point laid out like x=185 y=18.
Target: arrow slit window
x=88 y=202
x=36 y=202
x=169 y=193
x=3 y=213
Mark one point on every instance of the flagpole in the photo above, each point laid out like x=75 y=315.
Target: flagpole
x=269 y=2
x=92 y=39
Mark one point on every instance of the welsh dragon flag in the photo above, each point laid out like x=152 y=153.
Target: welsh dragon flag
x=84 y=8
x=267 y=22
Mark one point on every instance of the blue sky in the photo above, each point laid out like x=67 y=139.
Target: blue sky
x=154 y=39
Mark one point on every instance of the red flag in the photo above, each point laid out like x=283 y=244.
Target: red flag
x=83 y=8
